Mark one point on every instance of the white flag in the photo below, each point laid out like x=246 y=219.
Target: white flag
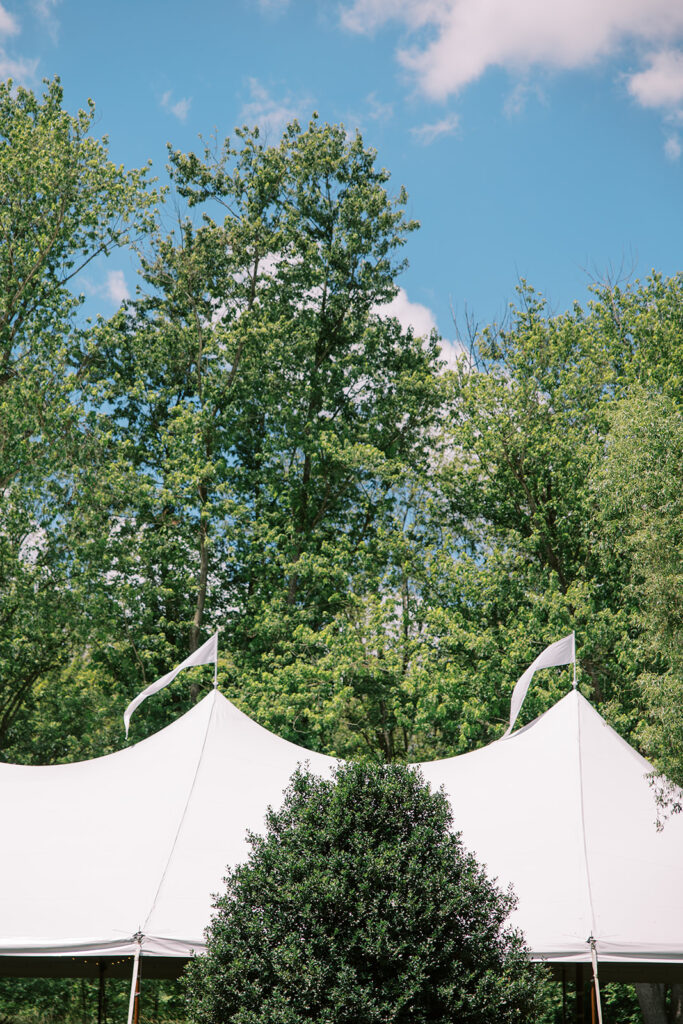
x=204 y=655
x=562 y=652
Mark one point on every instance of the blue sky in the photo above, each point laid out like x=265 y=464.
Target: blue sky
x=536 y=138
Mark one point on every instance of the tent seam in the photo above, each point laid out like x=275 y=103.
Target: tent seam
x=182 y=816
x=584 y=838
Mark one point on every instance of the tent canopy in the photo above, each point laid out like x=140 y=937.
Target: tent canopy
x=103 y=857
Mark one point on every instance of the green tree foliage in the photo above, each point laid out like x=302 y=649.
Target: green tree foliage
x=639 y=487
x=252 y=445
x=360 y=904
x=529 y=420
x=77 y=1001
x=264 y=421
x=63 y=204
x=530 y=427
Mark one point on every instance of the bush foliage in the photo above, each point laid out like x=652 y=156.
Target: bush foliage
x=359 y=903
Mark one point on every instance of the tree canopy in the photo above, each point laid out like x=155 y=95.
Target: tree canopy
x=252 y=444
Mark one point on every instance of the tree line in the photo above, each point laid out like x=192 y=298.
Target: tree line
x=251 y=444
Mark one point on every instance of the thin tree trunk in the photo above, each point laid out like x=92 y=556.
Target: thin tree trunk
x=201 y=585
x=652 y=1000
x=676 y=1011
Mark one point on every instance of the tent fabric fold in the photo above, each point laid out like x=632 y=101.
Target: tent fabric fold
x=137 y=843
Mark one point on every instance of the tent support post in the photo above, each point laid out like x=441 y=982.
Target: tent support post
x=564 y=995
x=102 y=996
x=579 y=1002
x=596 y=1002
x=134 y=1001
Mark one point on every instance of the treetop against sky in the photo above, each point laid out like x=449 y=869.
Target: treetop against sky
x=536 y=140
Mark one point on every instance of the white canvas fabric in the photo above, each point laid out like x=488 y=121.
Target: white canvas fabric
x=563 y=810
x=97 y=854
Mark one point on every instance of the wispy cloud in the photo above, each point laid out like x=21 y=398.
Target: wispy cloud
x=272 y=113
x=660 y=84
x=428 y=133
x=9 y=26
x=19 y=69
x=452 y=43
x=115 y=287
x=466 y=37
x=179 y=109
x=45 y=12
x=377 y=110
x=517 y=99
x=673 y=148
x=273 y=6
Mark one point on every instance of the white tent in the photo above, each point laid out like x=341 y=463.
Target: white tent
x=103 y=858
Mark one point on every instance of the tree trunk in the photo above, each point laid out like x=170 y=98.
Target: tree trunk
x=676 y=1011
x=202 y=584
x=652 y=1000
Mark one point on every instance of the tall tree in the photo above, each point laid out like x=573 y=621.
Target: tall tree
x=63 y=203
x=639 y=488
x=529 y=419
x=265 y=417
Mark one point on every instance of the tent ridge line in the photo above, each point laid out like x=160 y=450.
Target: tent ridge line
x=584 y=837
x=591 y=940
x=182 y=818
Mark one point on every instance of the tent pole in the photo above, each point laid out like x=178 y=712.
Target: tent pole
x=579 y=1007
x=595 y=988
x=136 y=1011
x=134 y=1001
x=564 y=995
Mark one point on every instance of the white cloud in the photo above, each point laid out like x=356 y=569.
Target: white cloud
x=673 y=148
x=422 y=321
x=456 y=41
x=516 y=99
x=427 y=133
x=452 y=353
x=20 y=69
x=179 y=109
x=115 y=287
x=271 y=114
x=409 y=314
x=661 y=83
x=9 y=26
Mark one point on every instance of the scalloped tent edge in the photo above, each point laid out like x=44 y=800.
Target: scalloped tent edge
x=121 y=854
